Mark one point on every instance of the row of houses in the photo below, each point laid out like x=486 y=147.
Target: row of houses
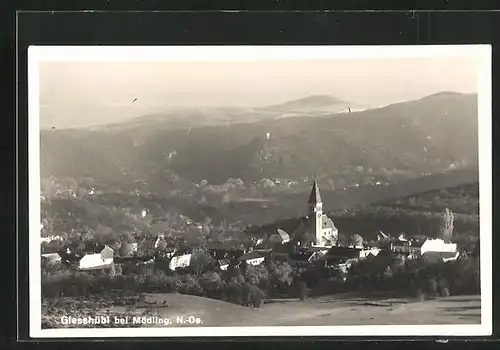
x=313 y=241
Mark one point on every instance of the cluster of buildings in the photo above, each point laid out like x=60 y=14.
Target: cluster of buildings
x=314 y=242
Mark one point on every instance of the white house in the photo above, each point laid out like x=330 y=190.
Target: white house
x=180 y=261
x=437 y=245
x=97 y=260
x=223 y=264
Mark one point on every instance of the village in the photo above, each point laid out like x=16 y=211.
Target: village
x=313 y=244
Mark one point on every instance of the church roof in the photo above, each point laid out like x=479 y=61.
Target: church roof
x=326 y=222
x=315 y=196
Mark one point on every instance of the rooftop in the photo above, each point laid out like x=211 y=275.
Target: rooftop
x=251 y=255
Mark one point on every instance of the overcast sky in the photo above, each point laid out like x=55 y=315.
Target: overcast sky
x=80 y=94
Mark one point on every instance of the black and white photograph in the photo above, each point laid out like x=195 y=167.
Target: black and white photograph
x=260 y=191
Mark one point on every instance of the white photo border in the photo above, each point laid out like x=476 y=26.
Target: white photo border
x=483 y=53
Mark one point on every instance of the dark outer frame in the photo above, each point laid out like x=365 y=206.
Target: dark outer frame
x=231 y=28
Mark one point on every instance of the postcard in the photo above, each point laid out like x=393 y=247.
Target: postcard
x=233 y=191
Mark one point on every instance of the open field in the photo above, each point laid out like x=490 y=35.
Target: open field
x=336 y=311
x=322 y=311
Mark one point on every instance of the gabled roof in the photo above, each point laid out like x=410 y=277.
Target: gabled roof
x=223 y=262
x=51 y=256
x=315 y=196
x=327 y=222
x=284 y=236
x=95 y=249
x=344 y=252
x=50 y=249
x=230 y=246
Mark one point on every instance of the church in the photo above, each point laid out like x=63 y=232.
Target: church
x=316 y=229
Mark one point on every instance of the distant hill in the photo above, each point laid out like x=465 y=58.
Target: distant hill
x=432 y=134
x=314 y=105
x=182 y=118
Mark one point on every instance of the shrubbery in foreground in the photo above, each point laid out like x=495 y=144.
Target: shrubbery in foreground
x=251 y=285
x=248 y=286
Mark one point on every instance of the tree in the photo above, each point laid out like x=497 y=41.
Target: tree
x=356 y=240
x=280 y=275
x=342 y=240
x=447 y=224
x=126 y=249
x=257 y=275
x=69 y=183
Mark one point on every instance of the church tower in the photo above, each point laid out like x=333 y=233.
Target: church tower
x=315 y=212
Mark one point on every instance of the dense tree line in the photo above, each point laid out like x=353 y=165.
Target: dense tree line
x=247 y=286
x=415 y=278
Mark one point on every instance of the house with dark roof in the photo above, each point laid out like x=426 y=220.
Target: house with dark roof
x=220 y=251
x=343 y=253
x=252 y=258
x=419 y=248
x=400 y=246
x=307 y=256
x=348 y=255
x=414 y=249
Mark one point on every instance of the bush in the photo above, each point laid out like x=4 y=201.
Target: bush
x=190 y=285
x=234 y=293
x=212 y=284
x=432 y=288
x=420 y=295
x=255 y=295
x=303 y=291
x=257 y=275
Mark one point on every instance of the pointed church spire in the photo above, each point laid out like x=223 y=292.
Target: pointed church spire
x=315 y=196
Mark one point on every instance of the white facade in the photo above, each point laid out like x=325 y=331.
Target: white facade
x=49 y=239
x=437 y=245
x=97 y=260
x=255 y=261
x=365 y=252
x=90 y=261
x=134 y=247
x=224 y=266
